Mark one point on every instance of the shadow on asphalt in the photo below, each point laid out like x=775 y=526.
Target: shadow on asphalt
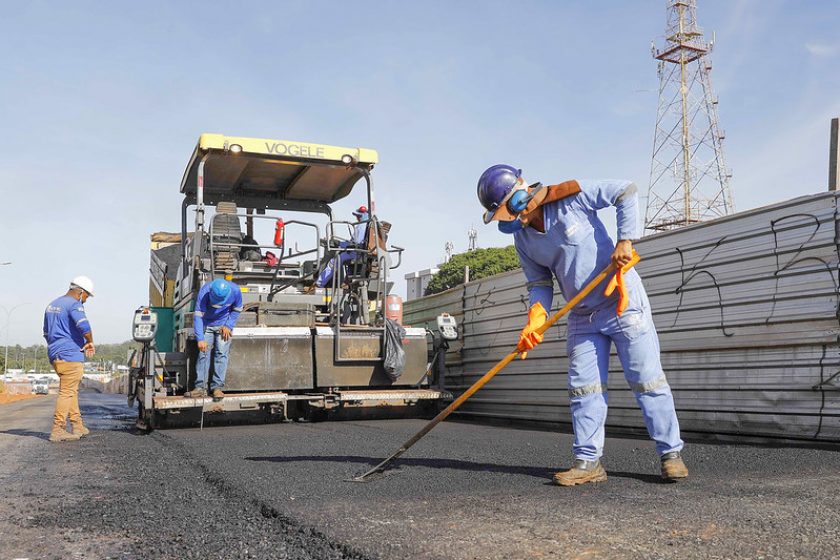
x=26 y=433
x=538 y=472
x=646 y=478
x=455 y=464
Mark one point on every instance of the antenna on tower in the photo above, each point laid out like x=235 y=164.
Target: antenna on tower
x=449 y=248
x=472 y=233
x=689 y=180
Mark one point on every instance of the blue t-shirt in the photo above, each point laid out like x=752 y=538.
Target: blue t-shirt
x=208 y=315
x=65 y=326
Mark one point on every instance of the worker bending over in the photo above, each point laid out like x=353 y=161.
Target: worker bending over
x=217 y=309
x=557 y=232
x=69 y=339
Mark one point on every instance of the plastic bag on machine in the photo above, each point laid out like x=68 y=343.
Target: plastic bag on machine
x=394 y=353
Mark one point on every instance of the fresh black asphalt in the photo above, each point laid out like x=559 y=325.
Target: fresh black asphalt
x=464 y=492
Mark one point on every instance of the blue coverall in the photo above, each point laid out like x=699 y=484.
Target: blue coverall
x=208 y=321
x=575 y=248
x=325 y=277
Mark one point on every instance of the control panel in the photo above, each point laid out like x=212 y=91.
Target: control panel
x=447 y=326
x=144 y=326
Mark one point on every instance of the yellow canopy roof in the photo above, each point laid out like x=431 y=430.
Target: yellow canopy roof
x=276 y=171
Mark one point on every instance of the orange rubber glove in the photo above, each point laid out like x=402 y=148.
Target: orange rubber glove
x=617 y=281
x=529 y=337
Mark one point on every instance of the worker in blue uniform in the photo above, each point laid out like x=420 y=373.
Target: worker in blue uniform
x=69 y=340
x=557 y=233
x=217 y=309
x=325 y=277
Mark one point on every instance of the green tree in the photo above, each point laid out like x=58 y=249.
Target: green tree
x=35 y=357
x=482 y=263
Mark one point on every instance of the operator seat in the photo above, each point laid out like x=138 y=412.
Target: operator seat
x=226 y=230
x=362 y=273
x=365 y=265
x=358 y=263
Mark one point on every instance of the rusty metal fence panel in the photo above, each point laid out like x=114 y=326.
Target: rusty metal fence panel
x=747 y=313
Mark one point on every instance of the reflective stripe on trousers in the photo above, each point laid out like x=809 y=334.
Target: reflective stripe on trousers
x=637 y=345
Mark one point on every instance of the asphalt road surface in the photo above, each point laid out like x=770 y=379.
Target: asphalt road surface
x=464 y=492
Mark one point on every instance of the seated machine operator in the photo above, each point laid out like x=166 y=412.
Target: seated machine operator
x=326 y=275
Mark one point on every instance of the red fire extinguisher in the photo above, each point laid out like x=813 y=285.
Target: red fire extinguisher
x=278 y=232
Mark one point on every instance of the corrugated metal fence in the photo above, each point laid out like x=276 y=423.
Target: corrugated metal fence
x=747 y=313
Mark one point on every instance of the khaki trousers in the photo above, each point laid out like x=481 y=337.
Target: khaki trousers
x=69 y=377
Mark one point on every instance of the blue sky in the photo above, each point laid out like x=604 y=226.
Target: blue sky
x=102 y=103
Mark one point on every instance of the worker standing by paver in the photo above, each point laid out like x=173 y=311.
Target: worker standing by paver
x=69 y=339
x=557 y=232
x=217 y=309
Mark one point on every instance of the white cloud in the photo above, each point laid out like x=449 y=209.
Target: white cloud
x=822 y=49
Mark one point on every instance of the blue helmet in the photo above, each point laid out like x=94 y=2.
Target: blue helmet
x=495 y=186
x=219 y=292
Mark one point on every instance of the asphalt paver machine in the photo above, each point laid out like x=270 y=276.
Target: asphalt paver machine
x=301 y=348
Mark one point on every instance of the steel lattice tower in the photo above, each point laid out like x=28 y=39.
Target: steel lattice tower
x=689 y=180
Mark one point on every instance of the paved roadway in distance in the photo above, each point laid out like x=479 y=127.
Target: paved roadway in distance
x=464 y=492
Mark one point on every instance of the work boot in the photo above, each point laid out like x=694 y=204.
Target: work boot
x=196 y=393
x=58 y=435
x=581 y=473
x=217 y=393
x=673 y=468
x=80 y=429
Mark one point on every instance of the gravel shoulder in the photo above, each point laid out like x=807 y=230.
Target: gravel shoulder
x=6 y=398
x=121 y=494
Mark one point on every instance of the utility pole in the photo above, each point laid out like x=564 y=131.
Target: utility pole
x=689 y=180
x=449 y=248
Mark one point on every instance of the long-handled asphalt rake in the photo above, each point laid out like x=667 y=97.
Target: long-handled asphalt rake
x=489 y=375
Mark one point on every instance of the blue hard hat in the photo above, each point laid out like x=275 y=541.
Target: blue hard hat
x=219 y=292
x=494 y=186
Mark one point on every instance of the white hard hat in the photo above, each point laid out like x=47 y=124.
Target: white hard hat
x=84 y=283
